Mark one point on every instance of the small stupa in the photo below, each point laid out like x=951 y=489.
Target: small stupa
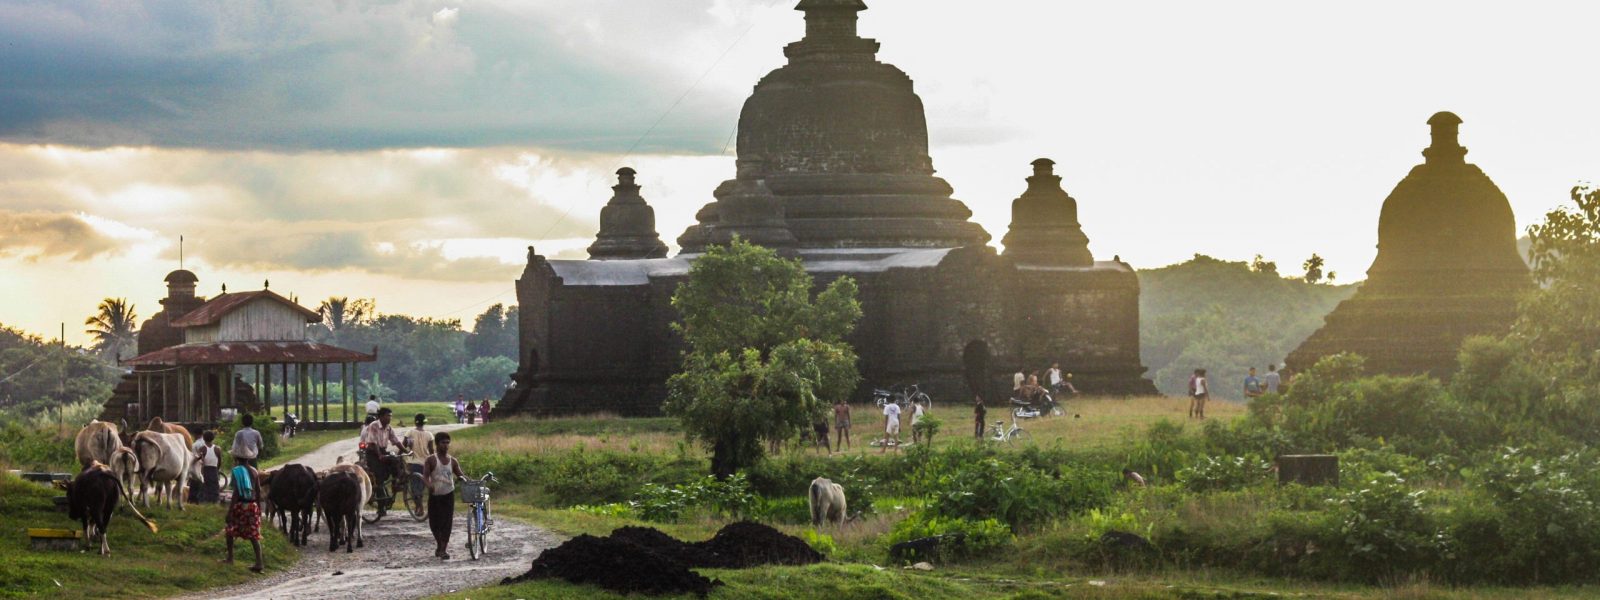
x=1447 y=268
x=627 y=224
x=1044 y=223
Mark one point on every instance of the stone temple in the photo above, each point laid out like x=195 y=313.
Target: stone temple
x=833 y=169
x=1447 y=268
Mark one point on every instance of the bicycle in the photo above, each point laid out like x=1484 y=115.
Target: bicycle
x=404 y=485
x=479 y=519
x=999 y=433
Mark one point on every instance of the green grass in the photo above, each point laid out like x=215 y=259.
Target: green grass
x=180 y=559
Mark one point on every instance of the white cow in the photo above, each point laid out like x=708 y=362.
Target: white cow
x=95 y=442
x=826 y=499
x=125 y=465
x=164 y=463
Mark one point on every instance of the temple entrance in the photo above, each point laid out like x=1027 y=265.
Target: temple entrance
x=975 y=366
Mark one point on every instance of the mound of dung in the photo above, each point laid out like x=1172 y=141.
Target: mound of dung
x=617 y=565
x=663 y=544
x=745 y=544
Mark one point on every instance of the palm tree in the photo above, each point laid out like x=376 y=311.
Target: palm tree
x=339 y=312
x=113 y=327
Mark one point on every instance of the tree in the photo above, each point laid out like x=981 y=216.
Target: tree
x=113 y=327
x=1262 y=265
x=764 y=357
x=1313 y=267
x=1558 y=320
x=339 y=312
x=494 y=333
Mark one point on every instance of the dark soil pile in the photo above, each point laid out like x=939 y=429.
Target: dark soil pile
x=617 y=565
x=745 y=544
x=645 y=560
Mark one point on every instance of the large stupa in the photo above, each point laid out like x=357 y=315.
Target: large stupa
x=833 y=169
x=1447 y=268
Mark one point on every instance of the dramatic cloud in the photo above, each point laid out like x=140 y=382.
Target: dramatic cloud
x=34 y=235
x=425 y=214
x=364 y=74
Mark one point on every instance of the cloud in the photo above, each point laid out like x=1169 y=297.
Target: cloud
x=421 y=214
x=36 y=234
x=359 y=75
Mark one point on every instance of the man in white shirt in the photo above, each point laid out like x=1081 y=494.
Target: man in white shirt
x=376 y=437
x=1017 y=379
x=1272 y=379
x=891 y=425
x=372 y=408
x=1053 y=376
x=209 y=456
x=420 y=442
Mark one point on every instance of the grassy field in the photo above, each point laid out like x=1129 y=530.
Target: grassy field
x=181 y=558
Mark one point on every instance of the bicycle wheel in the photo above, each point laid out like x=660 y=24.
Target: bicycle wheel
x=1018 y=435
x=472 y=533
x=416 y=498
x=483 y=530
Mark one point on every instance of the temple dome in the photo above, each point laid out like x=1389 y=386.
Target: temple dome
x=1446 y=214
x=841 y=141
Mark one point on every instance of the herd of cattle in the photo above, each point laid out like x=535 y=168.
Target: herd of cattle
x=160 y=461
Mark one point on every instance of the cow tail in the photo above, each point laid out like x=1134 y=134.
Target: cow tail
x=816 y=503
x=129 y=499
x=111 y=441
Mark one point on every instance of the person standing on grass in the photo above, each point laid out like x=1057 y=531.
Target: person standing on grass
x=1053 y=377
x=1253 y=387
x=483 y=412
x=978 y=413
x=1202 y=392
x=819 y=429
x=1272 y=380
x=917 y=412
x=472 y=413
x=841 y=424
x=461 y=409
x=246 y=441
x=209 y=456
x=244 y=512
x=441 y=471
x=891 y=425
x=1193 y=377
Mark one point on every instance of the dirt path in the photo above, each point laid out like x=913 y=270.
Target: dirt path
x=397 y=562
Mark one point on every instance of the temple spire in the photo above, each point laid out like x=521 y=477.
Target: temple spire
x=627 y=224
x=831 y=32
x=1446 y=148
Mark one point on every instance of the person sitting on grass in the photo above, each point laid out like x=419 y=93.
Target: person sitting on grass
x=244 y=511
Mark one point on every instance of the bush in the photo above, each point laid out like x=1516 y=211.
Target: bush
x=1382 y=531
x=977 y=536
x=47 y=448
x=729 y=497
x=1017 y=494
x=1224 y=473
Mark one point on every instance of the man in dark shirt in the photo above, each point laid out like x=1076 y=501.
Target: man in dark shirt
x=978 y=412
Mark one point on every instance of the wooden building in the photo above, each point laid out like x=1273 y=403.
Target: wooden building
x=243 y=352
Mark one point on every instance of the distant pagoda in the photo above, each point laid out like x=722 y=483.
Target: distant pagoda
x=1447 y=268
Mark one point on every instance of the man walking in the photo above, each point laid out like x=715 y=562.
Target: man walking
x=1272 y=380
x=372 y=408
x=1054 y=377
x=1252 y=385
x=420 y=442
x=244 y=512
x=891 y=426
x=246 y=442
x=209 y=456
x=441 y=471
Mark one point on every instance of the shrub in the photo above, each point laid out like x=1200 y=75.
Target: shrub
x=1224 y=473
x=977 y=536
x=1383 y=531
x=821 y=542
x=729 y=497
x=1017 y=494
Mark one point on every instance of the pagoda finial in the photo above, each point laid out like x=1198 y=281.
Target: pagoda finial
x=831 y=29
x=1445 y=130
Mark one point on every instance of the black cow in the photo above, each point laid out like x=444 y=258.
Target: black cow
x=92 y=498
x=294 y=491
x=339 y=497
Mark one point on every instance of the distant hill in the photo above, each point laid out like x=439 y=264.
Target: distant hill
x=1224 y=317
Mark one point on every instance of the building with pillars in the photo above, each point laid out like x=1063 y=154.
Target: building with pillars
x=833 y=169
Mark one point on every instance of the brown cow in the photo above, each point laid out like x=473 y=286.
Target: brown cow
x=159 y=426
x=96 y=442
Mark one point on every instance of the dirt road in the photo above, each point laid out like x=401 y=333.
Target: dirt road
x=397 y=561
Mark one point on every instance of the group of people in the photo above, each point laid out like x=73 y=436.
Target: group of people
x=1254 y=387
x=469 y=413
x=1026 y=386
x=425 y=453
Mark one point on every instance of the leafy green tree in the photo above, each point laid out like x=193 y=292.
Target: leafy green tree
x=36 y=375
x=1313 y=267
x=484 y=377
x=415 y=355
x=113 y=326
x=339 y=312
x=494 y=333
x=764 y=357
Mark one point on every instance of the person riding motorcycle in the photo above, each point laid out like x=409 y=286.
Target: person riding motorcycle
x=1031 y=392
x=375 y=440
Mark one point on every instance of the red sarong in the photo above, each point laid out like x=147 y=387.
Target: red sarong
x=244 y=521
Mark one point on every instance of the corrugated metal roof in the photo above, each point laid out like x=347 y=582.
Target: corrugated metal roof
x=213 y=309
x=248 y=353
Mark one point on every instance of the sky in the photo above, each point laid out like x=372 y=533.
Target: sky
x=410 y=151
